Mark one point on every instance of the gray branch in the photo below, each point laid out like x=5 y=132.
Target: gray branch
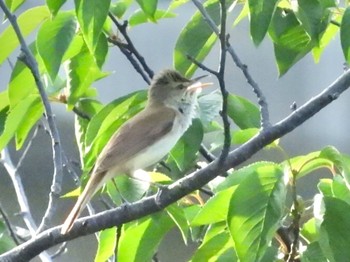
x=182 y=187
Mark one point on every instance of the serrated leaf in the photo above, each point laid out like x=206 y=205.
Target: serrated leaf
x=33 y=114
x=314 y=17
x=139 y=17
x=328 y=35
x=220 y=203
x=107 y=240
x=237 y=176
x=256 y=208
x=54 y=38
x=313 y=253
x=149 y=7
x=131 y=189
x=215 y=249
x=27 y=22
x=83 y=71
x=89 y=107
x=91 y=15
x=209 y=106
x=16 y=117
x=196 y=40
x=260 y=17
x=244 y=113
x=177 y=214
x=55 y=5
x=291 y=41
x=306 y=164
x=335 y=229
x=139 y=242
x=345 y=34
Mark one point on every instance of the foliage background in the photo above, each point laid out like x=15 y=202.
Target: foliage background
x=156 y=42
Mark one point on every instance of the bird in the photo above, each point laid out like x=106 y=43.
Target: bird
x=147 y=137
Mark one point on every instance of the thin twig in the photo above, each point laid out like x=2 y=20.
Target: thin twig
x=131 y=49
x=200 y=65
x=32 y=64
x=9 y=226
x=21 y=196
x=26 y=149
x=206 y=153
x=221 y=79
x=264 y=112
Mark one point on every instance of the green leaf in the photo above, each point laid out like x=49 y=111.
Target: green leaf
x=107 y=240
x=83 y=71
x=220 y=203
x=177 y=214
x=55 y=5
x=209 y=106
x=310 y=230
x=176 y=3
x=242 y=14
x=345 y=34
x=139 y=17
x=237 y=176
x=196 y=40
x=340 y=161
x=101 y=51
x=91 y=16
x=291 y=41
x=33 y=114
x=16 y=117
x=103 y=125
x=328 y=35
x=139 y=242
x=313 y=253
x=90 y=107
x=244 y=113
x=132 y=189
x=54 y=38
x=215 y=248
x=306 y=164
x=314 y=17
x=119 y=8
x=260 y=18
x=256 y=208
x=149 y=7
x=186 y=149
x=335 y=229
x=242 y=136
x=27 y=22
x=13 y=5
x=4 y=108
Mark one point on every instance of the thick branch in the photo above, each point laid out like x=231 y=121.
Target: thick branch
x=182 y=187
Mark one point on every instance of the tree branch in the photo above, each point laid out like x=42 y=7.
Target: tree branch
x=131 y=49
x=182 y=187
x=30 y=61
x=264 y=111
x=21 y=196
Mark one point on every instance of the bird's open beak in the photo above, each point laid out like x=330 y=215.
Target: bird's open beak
x=198 y=85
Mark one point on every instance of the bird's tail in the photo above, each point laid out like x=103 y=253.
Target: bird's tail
x=94 y=184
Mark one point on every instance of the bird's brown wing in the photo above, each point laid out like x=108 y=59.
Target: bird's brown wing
x=134 y=136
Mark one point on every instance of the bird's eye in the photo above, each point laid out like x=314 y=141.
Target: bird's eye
x=180 y=86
